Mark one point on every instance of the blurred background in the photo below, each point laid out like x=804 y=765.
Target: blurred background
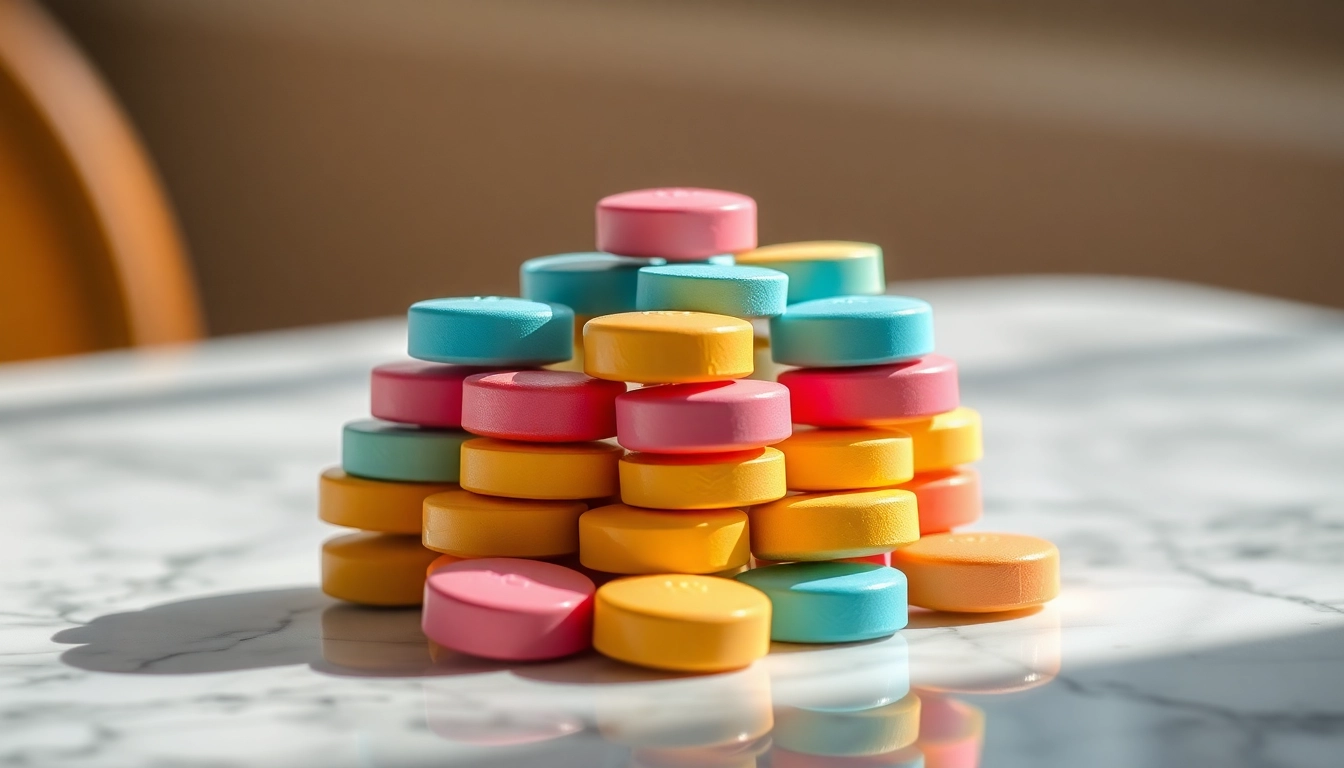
x=172 y=168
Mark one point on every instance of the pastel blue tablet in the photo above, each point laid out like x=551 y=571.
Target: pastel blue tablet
x=831 y=602
x=852 y=330
x=490 y=330
x=732 y=290
x=381 y=450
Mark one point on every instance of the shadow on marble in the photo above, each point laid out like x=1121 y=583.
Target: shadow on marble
x=257 y=630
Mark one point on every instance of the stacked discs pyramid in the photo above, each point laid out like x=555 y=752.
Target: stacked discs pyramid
x=526 y=457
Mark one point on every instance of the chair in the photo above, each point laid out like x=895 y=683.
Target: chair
x=90 y=257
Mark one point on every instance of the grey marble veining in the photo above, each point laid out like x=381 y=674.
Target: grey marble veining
x=1184 y=447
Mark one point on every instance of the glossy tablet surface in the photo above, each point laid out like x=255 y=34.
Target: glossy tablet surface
x=832 y=526
x=466 y=524
x=509 y=609
x=681 y=622
x=540 y=470
x=624 y=539
x=676 y=223
x=702 y=481
x=979 y=572
x=667 y=347
x=373 y=505
x=736 y=291
x=831 y=602
x=375 y=568
x=712 y=417
x=823 y=269
x=872 y=395
x=851 y=331
x=592 y=283
x=381 y=450
x=544 y=406
x=844 y=459
x=493 y=331
x=420 y=393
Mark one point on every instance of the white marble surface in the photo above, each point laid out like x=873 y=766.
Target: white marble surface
x=1184 y=447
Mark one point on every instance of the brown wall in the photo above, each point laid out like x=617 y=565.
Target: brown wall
x=331 y=161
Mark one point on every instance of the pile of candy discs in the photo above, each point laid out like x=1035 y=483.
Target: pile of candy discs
x=590 y=465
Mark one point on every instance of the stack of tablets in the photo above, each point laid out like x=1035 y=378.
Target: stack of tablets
x=498 y=451
x=389 y=465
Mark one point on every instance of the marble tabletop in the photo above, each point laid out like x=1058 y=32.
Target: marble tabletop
x=1183 y=446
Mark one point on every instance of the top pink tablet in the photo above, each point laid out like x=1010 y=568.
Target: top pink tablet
x=676 y=223
x=425 y=394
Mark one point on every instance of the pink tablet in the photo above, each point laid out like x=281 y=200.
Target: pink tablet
x=703 y=418
x=874 y=394
x=414 y=392
x=540 y=406
x=677 y=224
x=509 y=609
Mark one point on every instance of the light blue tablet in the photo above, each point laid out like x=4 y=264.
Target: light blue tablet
x=490 y=330
x=732 y=290
x=852 y=330
x=831 y=602
x=380 y=450
x=589 y=283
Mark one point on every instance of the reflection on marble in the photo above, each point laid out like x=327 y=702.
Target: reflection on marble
x=157 y=602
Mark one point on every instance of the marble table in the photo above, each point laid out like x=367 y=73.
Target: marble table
x=1183 y=446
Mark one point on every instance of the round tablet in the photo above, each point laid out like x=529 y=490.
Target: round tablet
x=979 y=572
x=945 y=440
x=589 y=283
x=540 y=470
x=712 y=417
x=823 y=269
x=419 y=393
x=375 y=568
x=872 y=395
x=681 y=622
x=540 y=406
x=831 y=602
x=843 y=459
x=702 y=481
x=384 y=451
x=440 y=562
x=373 y=505
x=848 y=733
x=852 y=330
x=667 y=347
x=465 y=524
x=831 y=526
x=625 y=539
x=678 y=224
x=509 y=609
x=490 y=330
x=735 y=291
x=948 y=498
